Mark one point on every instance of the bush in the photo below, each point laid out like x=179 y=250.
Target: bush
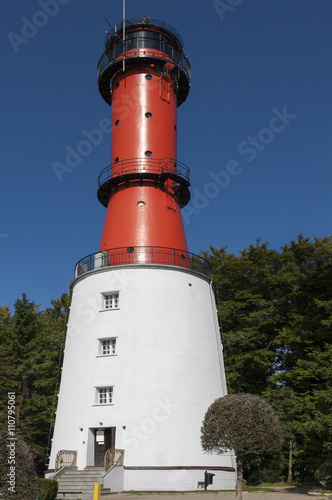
x=17 y=461
x=267 y=475
x=323 y=474
x=48 y=489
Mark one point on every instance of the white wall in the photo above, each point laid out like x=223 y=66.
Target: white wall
x=167 y=371
x=179 y=480
x=114 y=479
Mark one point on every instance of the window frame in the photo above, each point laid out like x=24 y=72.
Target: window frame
x=113 y=347
x=104 y=297
x=109 y=391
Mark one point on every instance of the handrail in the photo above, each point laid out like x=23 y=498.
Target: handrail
x=144 y=166
x=113 y=457
x=136 y=22
x=143 y=255
x=65 y=458
x=135 y=47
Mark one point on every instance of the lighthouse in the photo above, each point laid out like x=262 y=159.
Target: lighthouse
x=143 y=358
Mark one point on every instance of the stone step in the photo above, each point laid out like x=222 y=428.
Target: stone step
x=78 y=480
x=71 y=479
x=75 y=486
x=79 y=483
x=82 y=473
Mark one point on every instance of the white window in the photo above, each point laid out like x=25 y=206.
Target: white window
x=111 y=300
x=107 y=347
x=104 y=395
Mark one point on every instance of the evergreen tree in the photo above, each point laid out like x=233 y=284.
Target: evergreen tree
x=31 y=345
x=250 y=300
x=276 y=314
x=7 y=363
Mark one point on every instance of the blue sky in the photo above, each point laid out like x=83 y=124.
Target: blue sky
x=255 y=129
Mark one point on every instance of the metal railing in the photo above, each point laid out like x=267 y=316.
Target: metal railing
x=136 y=22
x=113 y=457
x=65 y=458
x=167 y=166
x=143 y=255
x=137 y=47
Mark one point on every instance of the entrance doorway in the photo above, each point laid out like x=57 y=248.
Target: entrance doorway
x=104 y=439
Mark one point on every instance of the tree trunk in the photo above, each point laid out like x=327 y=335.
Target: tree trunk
x=290 y=462
x=239 y=467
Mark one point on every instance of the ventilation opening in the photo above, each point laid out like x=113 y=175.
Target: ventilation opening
x=117 y=123
x=148 y=77
x=116 y=159
x=148 y=115
x=148 y=153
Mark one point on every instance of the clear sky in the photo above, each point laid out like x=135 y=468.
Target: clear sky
x=255 y=129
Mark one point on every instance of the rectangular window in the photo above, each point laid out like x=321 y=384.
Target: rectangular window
x=107 y=347
x=111 y=300
x=104 y=395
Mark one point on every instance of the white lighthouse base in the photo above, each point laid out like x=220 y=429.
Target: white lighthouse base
x=174 y=479
x=143 y=362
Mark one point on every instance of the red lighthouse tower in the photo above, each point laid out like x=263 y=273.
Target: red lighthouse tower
x=143 y=358
x=144 y=77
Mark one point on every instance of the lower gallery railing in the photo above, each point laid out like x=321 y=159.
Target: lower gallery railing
x=143 y=255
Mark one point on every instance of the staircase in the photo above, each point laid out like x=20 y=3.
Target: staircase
x=78 y=483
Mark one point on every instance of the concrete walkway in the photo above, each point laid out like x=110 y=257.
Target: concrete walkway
x=282 y=493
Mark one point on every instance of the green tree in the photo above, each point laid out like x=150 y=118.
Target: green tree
x=244 y=423
x=290 y=408
x=250 y=304
x=304 y=345
x=18 y=476
x=7 y=362
x=275 y=310
x=32 y=345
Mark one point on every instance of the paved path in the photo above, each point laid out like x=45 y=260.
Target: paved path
x=288 y=493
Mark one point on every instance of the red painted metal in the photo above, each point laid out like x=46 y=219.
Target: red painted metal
x=143 y=211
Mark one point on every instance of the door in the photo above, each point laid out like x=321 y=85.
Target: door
x=104 y=439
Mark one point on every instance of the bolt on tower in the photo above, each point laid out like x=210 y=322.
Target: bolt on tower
x=143 y=358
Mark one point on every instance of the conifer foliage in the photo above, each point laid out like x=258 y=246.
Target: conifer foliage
x=275 y=308
x=31 y=344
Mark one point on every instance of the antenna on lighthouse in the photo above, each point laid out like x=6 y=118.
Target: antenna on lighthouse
x=124 y=32
x=113 y=29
